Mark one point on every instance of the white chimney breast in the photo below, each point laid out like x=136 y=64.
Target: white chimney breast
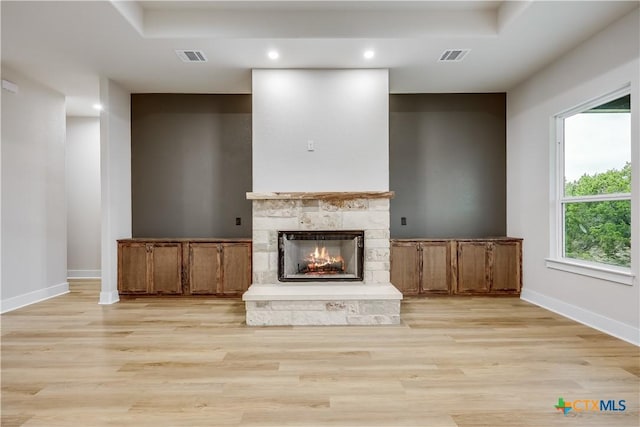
x=320 y=130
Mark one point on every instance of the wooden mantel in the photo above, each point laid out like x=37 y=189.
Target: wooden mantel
x=332 y=195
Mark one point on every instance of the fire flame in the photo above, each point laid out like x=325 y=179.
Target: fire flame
x=320 y=260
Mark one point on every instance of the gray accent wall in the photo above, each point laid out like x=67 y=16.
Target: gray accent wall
x=447 y=163
x=190 y=165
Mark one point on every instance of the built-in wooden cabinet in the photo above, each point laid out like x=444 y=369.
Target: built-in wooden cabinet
x=463 y=266
x=236 y=268
x=473 y=267
x=219 y=268
x=436 y=274
x=150 y=268
x=204 y=268
x=506 y=266
x=421 y=267
x=223 y=266
x=184 y=266
x=405 y=267
x=133 y=275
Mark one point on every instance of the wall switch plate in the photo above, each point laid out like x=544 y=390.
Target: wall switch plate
x=9 y=86
x=238 y=221
x=403 y=220
x=311 y=145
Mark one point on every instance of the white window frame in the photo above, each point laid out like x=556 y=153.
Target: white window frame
x=556 y=259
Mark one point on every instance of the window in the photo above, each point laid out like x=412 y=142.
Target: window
x=594 y=183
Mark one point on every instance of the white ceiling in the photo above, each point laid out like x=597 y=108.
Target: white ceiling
x=70 y=45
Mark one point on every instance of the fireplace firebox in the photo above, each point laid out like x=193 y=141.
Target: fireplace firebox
x=308 y=256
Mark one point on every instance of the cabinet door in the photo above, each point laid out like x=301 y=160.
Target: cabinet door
x=473 y=267
x=505 y=267
x=204 y=268
x=132 y=268
x=236 y=268
x=405 y=267
x=166 y=268
x=436 y=267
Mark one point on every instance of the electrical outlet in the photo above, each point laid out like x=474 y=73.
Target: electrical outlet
x=238 y=221
x=403 y=220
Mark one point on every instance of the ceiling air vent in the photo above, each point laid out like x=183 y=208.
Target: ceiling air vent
x=191 y=55
x=453 y=55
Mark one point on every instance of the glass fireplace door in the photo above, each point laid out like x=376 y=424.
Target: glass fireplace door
x=320 y=255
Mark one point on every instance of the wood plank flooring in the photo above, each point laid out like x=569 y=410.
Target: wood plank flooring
x=468 y=361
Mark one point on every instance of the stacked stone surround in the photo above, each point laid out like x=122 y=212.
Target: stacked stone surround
x=324 y=308
x=373 y=301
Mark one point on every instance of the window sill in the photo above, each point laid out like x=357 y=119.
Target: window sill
x=611 y=274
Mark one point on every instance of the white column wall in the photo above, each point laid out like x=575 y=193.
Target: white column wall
x=115 y=173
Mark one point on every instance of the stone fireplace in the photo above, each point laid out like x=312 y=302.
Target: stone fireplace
x=320 y=150
x=337 y=268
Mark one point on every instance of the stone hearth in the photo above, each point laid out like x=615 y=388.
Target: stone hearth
x=372 y=301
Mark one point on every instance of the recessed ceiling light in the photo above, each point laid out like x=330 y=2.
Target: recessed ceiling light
x=97 y=107
x=273 y=54
x=368 y=54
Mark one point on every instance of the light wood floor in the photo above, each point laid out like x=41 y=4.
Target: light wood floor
x=193 y=362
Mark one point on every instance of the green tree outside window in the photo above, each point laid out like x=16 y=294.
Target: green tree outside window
x=599 y=231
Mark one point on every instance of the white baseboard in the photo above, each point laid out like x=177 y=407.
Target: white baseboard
x=84 y=274
x=589 y=318
x=109 y=297
x=19 y=301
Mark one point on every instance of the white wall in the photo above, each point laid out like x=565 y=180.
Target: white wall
x=83 y=197
x=344 y=112
x=34 y=233
x=600 y=65
x=115 y=178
